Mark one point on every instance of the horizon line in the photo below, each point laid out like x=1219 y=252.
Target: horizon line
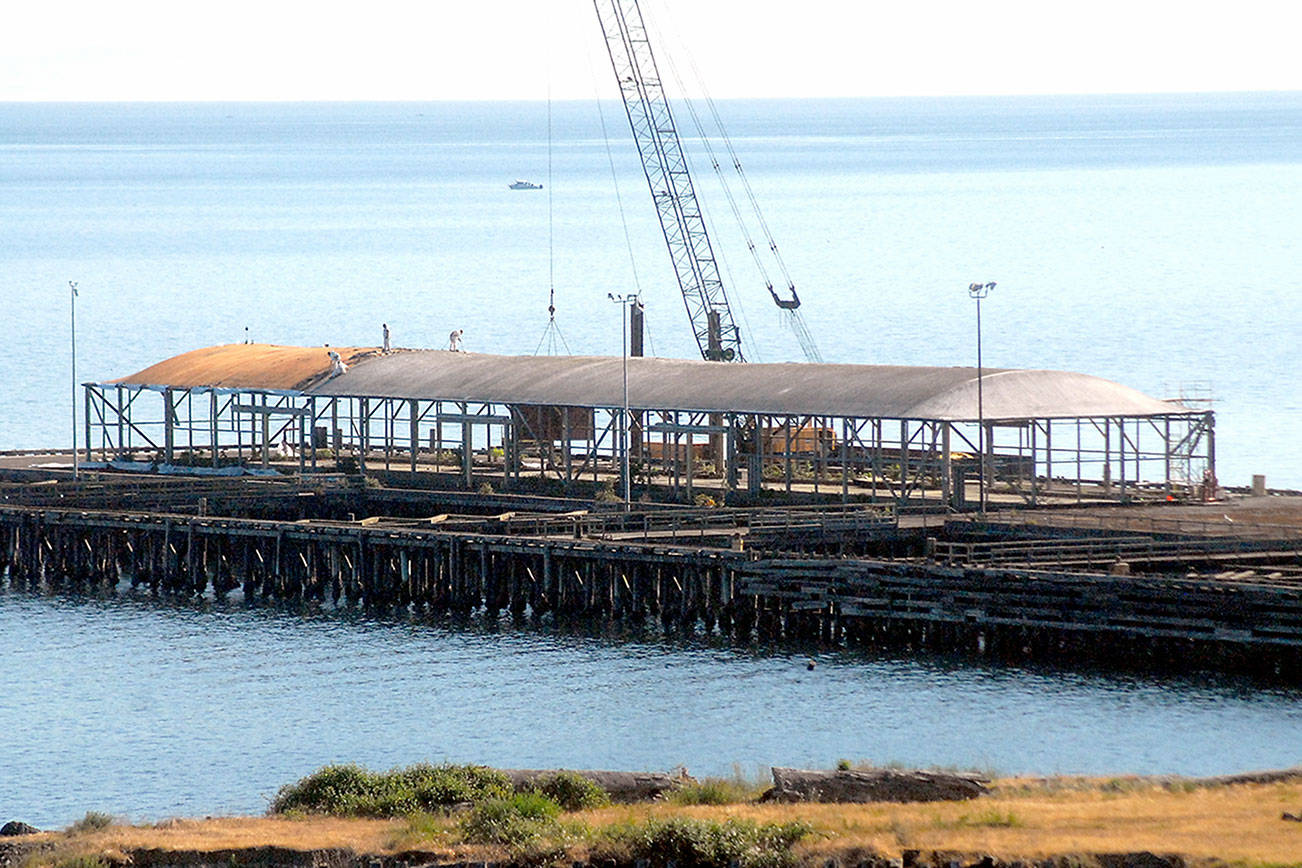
x=612 y=98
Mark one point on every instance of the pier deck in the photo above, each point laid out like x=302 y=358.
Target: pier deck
x=1026 y=587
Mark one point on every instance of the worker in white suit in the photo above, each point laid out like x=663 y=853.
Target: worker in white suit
x=337 y=365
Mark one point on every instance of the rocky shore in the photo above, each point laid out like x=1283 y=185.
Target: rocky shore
x=16 y=854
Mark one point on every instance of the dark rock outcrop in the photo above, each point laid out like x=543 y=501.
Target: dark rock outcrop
x=254 y=857
x=14 y=853
x=872 y=785
x=1142 y=859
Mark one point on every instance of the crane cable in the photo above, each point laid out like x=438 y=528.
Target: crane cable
x=614 y=175
x=745 y=181
x=722 y=258
x=744 y=327
x=551 y=228
x=751 y=198
x=791 y=308
x=718 y=171
x=552 y=333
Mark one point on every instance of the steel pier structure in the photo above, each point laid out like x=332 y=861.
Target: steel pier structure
x=892 y=434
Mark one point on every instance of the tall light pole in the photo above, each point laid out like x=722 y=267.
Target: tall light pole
x=624 y=301
x=980 y=291
x=72 y=298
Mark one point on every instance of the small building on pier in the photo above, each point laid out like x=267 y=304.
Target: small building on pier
x=887 y=432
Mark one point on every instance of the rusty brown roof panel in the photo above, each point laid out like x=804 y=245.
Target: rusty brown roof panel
x=246 y=366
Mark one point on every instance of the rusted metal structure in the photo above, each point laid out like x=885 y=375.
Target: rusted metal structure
x=891 y=433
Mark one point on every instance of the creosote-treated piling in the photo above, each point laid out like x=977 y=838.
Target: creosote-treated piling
x=399 y=566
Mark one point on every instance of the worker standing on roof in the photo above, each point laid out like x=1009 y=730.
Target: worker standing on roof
x=385 y=326
x=454 y=340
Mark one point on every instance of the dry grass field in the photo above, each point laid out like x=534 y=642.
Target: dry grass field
x=1020 y=819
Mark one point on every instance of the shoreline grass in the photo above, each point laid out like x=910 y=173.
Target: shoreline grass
x=1024 y=818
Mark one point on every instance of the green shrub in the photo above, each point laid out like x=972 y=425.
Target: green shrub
x=350 y=790
x=518 y=822
x=712 y=791
x=93 y=821
x=438 y=786
x=571 y=790
x=534 y=806
x=330 y=790
x=695 y=843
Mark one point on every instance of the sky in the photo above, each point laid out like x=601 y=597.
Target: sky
x=529 y=49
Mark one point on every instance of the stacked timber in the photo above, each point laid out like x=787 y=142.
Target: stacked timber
x=1153 y=606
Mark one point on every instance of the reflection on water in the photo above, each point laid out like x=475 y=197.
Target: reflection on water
x=153 y=709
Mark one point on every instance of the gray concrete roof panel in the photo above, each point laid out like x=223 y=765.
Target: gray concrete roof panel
x=865 y=391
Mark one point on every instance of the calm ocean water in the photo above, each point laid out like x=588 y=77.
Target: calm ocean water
x=1150 y=240
x=155 y=711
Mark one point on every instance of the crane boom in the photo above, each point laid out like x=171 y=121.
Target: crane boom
x=667 y=174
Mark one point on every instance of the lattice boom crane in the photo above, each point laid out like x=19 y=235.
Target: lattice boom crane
x=667 y=175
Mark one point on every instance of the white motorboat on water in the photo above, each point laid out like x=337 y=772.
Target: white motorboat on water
x=526 y=185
